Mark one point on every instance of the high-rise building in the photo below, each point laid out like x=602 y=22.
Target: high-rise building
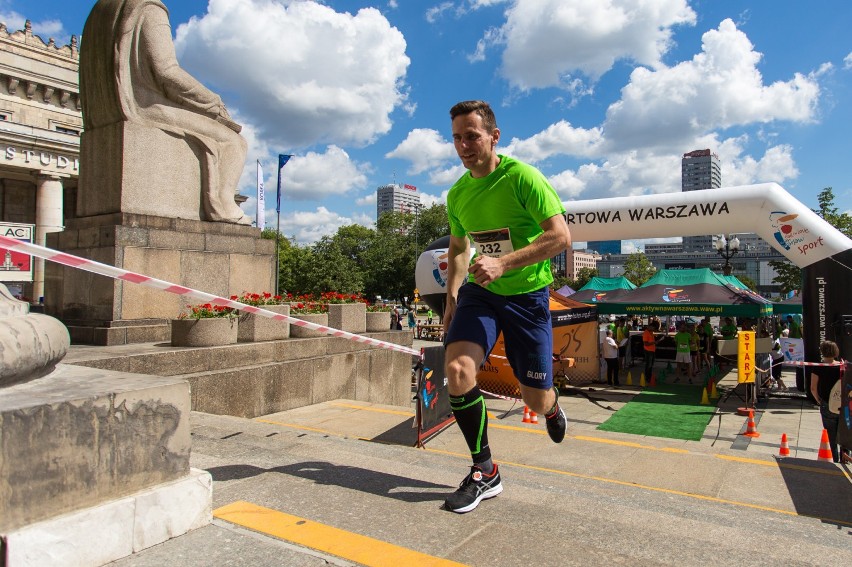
x=605 y=246
x=699 y=169
x=399 y=198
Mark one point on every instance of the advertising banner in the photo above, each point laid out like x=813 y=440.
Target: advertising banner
x=745 y=356
x=16 y=266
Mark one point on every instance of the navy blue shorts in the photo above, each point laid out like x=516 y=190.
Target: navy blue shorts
x=523 y=319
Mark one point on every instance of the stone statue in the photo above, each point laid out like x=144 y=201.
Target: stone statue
x=31 y=344
x=130 y=80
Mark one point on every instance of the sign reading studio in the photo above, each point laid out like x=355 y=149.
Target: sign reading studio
x=41 y=160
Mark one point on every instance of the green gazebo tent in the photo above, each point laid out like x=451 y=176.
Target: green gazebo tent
x=696 y=292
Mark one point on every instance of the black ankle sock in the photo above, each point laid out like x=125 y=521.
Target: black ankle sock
x=487 y=467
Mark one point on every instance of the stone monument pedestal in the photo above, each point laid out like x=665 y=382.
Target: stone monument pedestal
x=95 y=466
x=218 y=258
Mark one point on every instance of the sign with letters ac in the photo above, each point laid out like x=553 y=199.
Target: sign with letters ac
x=16 y=266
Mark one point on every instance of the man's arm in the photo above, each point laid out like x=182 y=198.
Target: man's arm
x=458 y=258
x=555 y=238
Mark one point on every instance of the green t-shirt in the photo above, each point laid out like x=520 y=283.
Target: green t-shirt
x=501 y=213
x=728 y=331
x=682 y=340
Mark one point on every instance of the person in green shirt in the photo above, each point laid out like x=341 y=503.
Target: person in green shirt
x=795 y=328
x=694 y=342
x=683 y=356
x=512 y=217
x=728 y=330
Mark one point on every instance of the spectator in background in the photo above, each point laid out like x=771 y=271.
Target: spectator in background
x=705 y=332
x=823 y=379
x=609 y=352
x=683 y=356
x=649 y=344
x=777 y=357
x=795 y=328
x=412 y=320
x=728 y=330
x=621 y=334
x=694 y=343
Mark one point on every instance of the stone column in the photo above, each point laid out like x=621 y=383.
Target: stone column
x=48 y=219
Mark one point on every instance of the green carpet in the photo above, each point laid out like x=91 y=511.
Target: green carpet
x=669 y=410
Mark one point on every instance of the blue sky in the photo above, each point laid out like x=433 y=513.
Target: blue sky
x=604 y=96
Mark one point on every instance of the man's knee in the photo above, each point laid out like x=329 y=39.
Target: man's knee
x=461 y=375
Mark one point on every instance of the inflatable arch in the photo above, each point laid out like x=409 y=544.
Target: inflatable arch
x=824 y=253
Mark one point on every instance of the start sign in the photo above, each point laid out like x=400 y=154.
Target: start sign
x=745 y=356
x=16 y=266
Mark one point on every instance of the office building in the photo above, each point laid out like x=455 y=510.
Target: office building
x=605 y=246
x=399 y=198
x=699 y=169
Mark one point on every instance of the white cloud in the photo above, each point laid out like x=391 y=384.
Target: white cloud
x=428 y=200
x=425 y=148
x=316 y=176
x=45 y=29
x=309 y=226
x=719 y=88
x=557 y=139
x=847 y=61
x=434 y=13
x=302 y=73
x=548 y=41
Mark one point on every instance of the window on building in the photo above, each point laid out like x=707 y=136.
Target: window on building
x=64 y=130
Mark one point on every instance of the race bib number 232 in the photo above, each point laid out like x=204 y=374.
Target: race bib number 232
x=494 y=243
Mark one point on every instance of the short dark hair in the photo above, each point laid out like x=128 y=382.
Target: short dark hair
x=482 y=108
x=829 y=349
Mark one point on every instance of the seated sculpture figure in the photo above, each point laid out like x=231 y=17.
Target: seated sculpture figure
x=130 y=78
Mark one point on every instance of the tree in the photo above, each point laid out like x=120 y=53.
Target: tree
x=638 y=268
x=748 y=282
x=827 y=210
x=432 y=224
x=584 y=276
x=561 y=281
x=788 y=275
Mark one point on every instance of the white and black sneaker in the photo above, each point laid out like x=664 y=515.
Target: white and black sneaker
x=475 y=487
x=556 y=423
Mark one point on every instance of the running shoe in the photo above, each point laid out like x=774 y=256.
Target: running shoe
x=475 y=488
x=557 y=423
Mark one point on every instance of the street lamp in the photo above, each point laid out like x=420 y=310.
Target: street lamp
x=727 y=248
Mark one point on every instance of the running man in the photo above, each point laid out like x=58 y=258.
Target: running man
x=514 y=219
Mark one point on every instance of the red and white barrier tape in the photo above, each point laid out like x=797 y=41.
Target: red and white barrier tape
x=147 y=281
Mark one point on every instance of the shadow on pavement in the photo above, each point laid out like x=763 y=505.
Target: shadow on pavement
x=355 y=478
x=825 y=494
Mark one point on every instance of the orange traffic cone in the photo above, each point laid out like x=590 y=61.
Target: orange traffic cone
x=824 y=450
x=784 y=451
x=533 y=417
x=714 y=393
x=751 y=428
x=526 y=415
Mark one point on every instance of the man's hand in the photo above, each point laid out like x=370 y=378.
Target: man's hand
x=486 y=269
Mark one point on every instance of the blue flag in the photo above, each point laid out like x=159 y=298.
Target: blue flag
x=282 y=161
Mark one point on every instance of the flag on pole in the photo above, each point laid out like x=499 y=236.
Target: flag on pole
x=282 y=161
x=261 y=199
